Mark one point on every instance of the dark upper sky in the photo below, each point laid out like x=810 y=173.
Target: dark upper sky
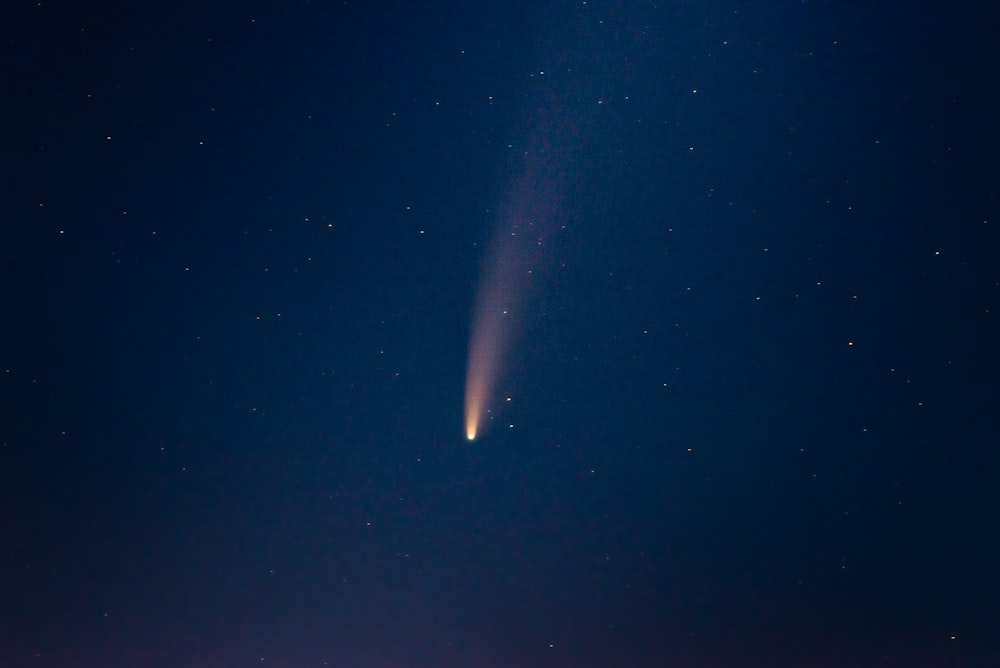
x=753 y=403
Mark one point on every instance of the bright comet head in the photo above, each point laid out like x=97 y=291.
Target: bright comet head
x=480 y=375
x=471 y=418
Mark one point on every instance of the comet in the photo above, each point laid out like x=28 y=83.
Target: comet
x=492 y=330
x=514 y=265
x=551 y=165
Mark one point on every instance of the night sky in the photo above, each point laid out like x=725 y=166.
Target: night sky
x=742 y=409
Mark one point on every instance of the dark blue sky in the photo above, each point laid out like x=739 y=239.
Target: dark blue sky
x=753 y=406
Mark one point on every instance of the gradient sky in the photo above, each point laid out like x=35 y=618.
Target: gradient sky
x=748 y=415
